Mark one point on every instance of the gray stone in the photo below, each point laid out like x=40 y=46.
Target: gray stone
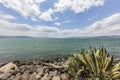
x=6 y=70
x=53 y=73
x=33 y=76
x=64 y=77
x=25 y=76
x=56 y=78
x=45 y=77
x=46 y=69
x=6 y=75
x=15 y=78
x=40 y=73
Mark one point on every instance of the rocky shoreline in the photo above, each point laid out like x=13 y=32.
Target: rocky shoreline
x=43 y=69
x=36 y=69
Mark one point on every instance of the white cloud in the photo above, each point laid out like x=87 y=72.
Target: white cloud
x=62 y=5
x=47 y=15
x=31 y=8
x=34 y=19
x=14 y=29
x=57 y=23
x=46 y=29
x=67 y=21
x=6 y=16
x=14 y=26
x=27 y=8
x=76 y=6
x=106 y=26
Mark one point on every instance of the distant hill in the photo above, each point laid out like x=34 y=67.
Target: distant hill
x=15 y=37
x=112 y=36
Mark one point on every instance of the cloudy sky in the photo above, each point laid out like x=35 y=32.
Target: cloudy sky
x=59 y=18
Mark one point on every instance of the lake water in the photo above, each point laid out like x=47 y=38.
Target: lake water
x=22 y=48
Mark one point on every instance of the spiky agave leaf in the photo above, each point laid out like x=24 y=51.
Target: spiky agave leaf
x=116 y=67
x=88 y=61
x=97 y=62
x=115 y=75
x=110 y=64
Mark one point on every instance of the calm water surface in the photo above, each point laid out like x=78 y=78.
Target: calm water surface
x=22 y=48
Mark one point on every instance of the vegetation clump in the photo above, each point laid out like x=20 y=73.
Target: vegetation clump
x=93 y=64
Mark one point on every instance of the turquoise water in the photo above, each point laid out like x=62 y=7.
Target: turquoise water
x=22 y=48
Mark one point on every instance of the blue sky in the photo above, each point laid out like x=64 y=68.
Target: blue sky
x=59 y=18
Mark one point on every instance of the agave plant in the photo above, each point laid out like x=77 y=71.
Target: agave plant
x=75 y=68
x=94 y=63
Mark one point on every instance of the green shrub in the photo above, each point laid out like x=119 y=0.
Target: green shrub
x=95 y=64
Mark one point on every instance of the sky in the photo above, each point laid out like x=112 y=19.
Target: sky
x=59 y=18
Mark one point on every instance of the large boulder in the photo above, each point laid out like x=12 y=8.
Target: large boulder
x=6 y=70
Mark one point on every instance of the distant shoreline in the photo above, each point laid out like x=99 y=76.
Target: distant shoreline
x=110 y=36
